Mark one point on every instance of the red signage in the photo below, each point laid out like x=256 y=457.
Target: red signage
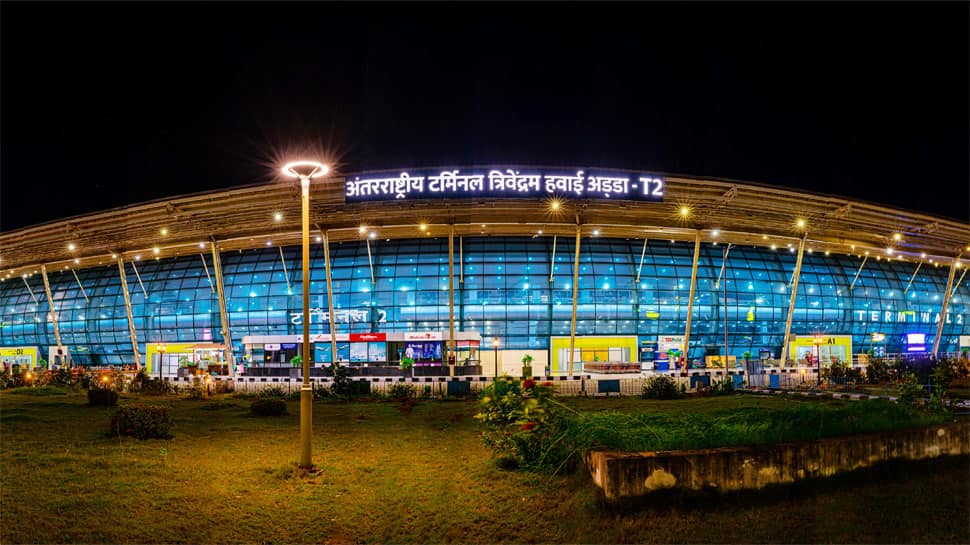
x=367 y=337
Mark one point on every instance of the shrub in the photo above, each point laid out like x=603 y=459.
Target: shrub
x=62 y=377
x=268 y=406
x=878 y=371
x=660 y=387
x=402 y=392
x=910 y=390
x=156 y=387
x=276 y=392
x=102 y=396
x=723 y=387
x=523 y=422
x=342 y=385
x=196 y=390
x=142 y=422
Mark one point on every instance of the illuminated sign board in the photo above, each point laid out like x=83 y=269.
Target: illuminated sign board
x=341 y=316
x=504 y=183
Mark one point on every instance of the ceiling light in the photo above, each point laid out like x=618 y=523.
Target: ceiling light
x=76 y=261
x=715 y=232
x=423 y=226
x=163 y=231
x=202 y=245
x=897 y=236
x=373 y=234
x=596 y=232
x=889 y=251
x=278 y=216
x=684 y=211
x=826 y=252
x=114 y=256
x=800 y=223
x=319 y=238
x=71 y=246
x=155 y=250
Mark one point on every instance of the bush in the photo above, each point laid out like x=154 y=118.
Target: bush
x=268 y=406
x=402 y=391
x=62 y=377
x=878 y=371
x=196 y=390
x=142 y=422
x=910 y=390
x=660 y=387
x=102 y=396
x=723 y=387
x=523 y=422
x=275 y=392
x=342 y=385
x=156 y=387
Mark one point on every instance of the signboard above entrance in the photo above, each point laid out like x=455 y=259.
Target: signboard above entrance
x=504 y=183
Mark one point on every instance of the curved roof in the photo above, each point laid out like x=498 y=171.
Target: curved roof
x=242 y=218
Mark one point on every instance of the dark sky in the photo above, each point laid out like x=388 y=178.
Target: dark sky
x=114 y=103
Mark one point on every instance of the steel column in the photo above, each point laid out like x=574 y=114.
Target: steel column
x=690 y=298
x=333 y=316
x=643 y=254
x=50 y=306
x=223 y=313
x=131 y=320
x=451 y=298
x=572 y=325
x=791 y=301
x=946 y=302
x=911 y=278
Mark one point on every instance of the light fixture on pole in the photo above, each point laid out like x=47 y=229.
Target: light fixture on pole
x=305 y=170
x=495 y=346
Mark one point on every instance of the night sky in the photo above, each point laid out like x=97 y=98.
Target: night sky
x=110 y=104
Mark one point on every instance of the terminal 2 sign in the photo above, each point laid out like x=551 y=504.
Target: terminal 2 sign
x=504 y=183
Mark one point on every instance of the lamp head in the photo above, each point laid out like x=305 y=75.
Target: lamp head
x=305 y=169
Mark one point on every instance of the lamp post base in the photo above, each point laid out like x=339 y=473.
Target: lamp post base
x=306 y=426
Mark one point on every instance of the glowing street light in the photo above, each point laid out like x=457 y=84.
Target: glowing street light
x=305 y=170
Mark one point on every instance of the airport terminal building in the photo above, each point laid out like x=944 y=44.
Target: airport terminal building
x=483 y=262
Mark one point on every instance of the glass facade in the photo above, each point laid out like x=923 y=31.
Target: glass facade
x=507 y=290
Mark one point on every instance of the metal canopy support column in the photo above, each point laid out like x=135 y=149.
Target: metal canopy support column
x=131 y=320
x=911 y=278
x=333 y=315
x=852 y=285
x=720 y=277
x=452 y=355
x=690 y=299
x=50 y=306
x=791 y=301
x=461 y=261
x=223 y=314
x=575 y=286
x=960 y=281
x=30 y=290
x=552 y=262
x=80 y=285
x=138 y=276
x=642 y=255
x=946 y=301
x=370 y=261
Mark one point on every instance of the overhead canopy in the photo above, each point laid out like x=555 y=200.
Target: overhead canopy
x=245 y=217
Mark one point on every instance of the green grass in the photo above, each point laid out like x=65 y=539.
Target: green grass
x=390 y=476
x=800 y=420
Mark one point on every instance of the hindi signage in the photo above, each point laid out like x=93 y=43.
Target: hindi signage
x=504 y=183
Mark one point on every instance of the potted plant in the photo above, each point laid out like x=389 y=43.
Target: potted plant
x=296 y=360
x=527 y=366
x=407 y=365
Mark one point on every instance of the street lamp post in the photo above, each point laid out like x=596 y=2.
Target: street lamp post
x=495 y=346
x=305 y=170
x=161 y=360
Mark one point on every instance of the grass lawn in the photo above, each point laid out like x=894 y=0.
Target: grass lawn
x=390 y=476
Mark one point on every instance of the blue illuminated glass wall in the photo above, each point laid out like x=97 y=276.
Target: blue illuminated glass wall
x=505 y=291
